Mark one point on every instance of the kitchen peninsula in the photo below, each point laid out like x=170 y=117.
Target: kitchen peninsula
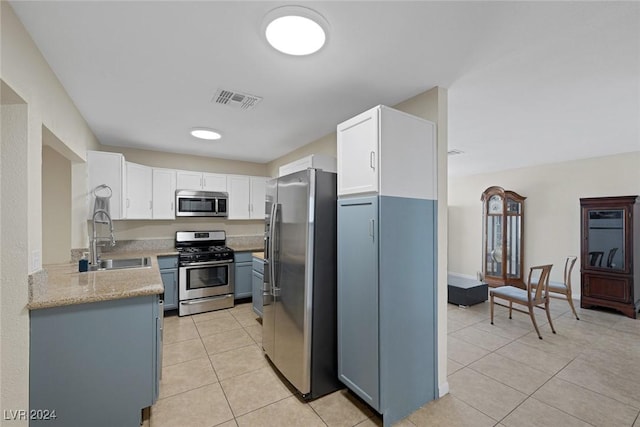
x=96 y=344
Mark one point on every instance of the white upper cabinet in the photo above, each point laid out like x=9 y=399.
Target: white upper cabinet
x=214 y=182
x=139 y=191
x=107 y=169
x=317 y=161
x=187 y=180
x=144 y=192
x=164 y=193
x=246 y=196
x=258 y=197
x=239 y=196
x=388 y=152
x=358 y=154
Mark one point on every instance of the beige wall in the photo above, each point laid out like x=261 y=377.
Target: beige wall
x=161 y=229
x=188 y=162
x=326 y=145
x=14 y=318
x=552 y=208
x=430 y=105
x=44 y=103
x=56 y=207
x=25 y=70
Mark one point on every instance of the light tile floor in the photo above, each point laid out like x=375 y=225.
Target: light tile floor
x=215 y=374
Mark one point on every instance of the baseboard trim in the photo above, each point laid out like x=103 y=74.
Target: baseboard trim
x=443 y=389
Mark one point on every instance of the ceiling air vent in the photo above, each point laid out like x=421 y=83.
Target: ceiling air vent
x=238 y=100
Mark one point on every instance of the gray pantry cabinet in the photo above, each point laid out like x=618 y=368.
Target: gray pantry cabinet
x=168 y=266
x=387 y=260
x=95 y=364
x=257 y=285
x=243 y=279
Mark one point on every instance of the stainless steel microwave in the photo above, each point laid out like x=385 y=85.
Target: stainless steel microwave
x=201 y=203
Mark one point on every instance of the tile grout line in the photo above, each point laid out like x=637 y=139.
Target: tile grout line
x=236 y=416
x=235 y=420
x=530 y=396
x=586 y=361
x=316 y=412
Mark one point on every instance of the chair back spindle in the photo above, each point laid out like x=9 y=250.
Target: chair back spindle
x=540 y=287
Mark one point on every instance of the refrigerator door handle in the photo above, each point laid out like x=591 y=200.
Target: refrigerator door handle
x=272 y=245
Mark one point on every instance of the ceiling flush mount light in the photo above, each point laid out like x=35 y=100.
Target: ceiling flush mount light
x=205 y=133
x=295 y=30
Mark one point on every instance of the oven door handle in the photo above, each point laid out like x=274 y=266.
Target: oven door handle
x=204 y=264
x=203 y=300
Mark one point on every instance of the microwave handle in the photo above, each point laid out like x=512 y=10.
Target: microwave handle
x=221 y=209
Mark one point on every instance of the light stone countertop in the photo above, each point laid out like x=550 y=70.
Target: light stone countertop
x=250 y=247
x=253 y=243
x=61 y=284
x=259 y=255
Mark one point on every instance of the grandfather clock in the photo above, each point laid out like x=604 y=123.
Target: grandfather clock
x=502 y=237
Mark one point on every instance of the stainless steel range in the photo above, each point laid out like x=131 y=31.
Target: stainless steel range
x=205 y=272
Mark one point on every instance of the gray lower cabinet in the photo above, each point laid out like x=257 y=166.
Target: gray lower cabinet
x=358 y=321
x=95 y=364
x=168 y=266
x=257 y=285
x=243 y=280
x=387 y=311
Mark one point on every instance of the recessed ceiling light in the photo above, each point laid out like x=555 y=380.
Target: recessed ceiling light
x=204 y=133
x=295 y=30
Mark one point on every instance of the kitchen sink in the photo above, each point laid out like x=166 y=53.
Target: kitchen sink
x=117 y=264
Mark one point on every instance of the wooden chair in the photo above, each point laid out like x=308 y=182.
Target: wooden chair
x=595 y=258
x=563 y=290
x=533 y=296
x=612 y=253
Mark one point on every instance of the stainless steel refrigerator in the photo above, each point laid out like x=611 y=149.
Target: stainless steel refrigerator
x=299 y=328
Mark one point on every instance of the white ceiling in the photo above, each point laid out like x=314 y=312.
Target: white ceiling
x=528 y=82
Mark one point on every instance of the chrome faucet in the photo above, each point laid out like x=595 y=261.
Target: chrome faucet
x=94 y=255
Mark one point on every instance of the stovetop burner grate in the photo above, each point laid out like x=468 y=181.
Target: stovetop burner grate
x=202 y=246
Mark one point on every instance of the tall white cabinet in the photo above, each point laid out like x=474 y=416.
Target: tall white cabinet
x=246 y=196
x=108 y=169
x=164 y=192
x=139 y=191
x=387 y=260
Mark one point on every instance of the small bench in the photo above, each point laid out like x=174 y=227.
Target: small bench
x=465 y=291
